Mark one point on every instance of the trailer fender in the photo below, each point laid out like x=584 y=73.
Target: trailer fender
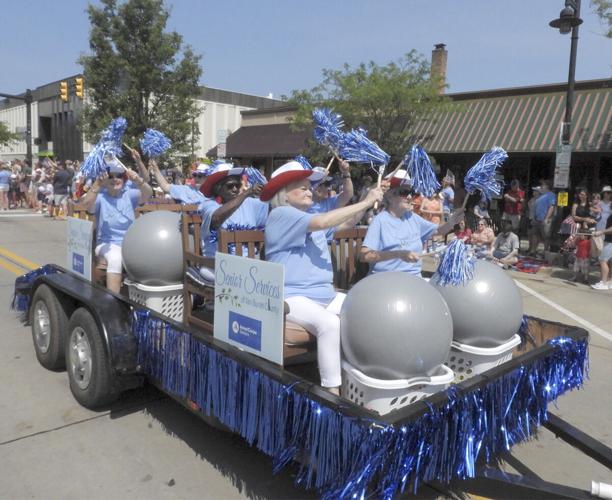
x=111 y=313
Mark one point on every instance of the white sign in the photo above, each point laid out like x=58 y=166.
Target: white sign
x=249 y=305
x=222 y=134
x=221 y=150
x=79 y=246
x=562 y=166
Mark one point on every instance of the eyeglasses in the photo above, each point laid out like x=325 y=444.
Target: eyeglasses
x=115 y=176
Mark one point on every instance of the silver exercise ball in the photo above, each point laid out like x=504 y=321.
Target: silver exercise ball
x=487 y=310
x=152 y=249
x=394 y=326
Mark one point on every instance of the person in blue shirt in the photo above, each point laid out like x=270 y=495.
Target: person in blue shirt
x=322 y=202
x=5 y=184
x=448 y=194
x=228 y=206
x=296 y=238
x=183 y=194
x=114 y=204
x=543 y=214
x=396 y=236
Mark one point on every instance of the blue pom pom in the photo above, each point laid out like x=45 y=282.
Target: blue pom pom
x=254 y=176
x=456 y=267
x=422 y=175
x=327 y=128
x=154 y=143
x=302 y=160
x=481 y=177
x=356 y=147
x=94 y=165
x=112 y=136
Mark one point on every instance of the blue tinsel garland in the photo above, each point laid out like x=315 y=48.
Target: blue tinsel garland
x=154 y=143
x=23 y=283
x=347 y=457
x=422 y=175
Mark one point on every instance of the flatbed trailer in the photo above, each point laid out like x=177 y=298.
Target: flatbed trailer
x=110 y=344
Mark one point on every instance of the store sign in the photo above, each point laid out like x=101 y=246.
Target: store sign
x=249 y=305
x=79 y=246
x=562 y=199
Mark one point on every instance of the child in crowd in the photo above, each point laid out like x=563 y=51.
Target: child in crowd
x=583 y=252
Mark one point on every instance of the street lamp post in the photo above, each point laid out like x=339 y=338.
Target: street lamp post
x=569 y=20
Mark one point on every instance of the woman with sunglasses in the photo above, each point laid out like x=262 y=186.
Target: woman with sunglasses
x=395 y=239
x=114 y=205
x=229 y=206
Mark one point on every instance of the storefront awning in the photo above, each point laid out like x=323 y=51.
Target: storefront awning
x=261 y=141
x=522 y=123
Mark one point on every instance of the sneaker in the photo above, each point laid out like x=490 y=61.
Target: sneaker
x=600 y=285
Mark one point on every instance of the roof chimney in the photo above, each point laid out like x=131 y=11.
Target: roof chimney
x=439 y=56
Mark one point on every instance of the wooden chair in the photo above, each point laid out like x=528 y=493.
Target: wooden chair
x=344 y=249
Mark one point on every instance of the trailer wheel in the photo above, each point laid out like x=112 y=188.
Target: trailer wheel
x=49 y=324
x=87 y=364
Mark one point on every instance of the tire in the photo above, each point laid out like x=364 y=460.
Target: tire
x=91 y=381
x=49 y=323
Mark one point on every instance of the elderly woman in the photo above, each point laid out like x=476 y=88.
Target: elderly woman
x=395 y=239
x=296 y=239
x=229 y=207
x=114 y=205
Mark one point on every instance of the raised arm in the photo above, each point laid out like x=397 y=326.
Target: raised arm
x=88 y=201
x=142 y=169
x=227 y=209
x=347 y=184
x=145 y=190
x=336 y=217
x=161 y=180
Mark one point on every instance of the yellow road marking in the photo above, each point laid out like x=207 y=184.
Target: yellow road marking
x=5 y=264
x=7 y=254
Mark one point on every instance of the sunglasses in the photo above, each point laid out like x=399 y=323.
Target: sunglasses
x=115 y=176
x=232 y=185
x=198 y=174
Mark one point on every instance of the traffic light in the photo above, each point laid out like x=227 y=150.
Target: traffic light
x=78 y=86
x=64 y=91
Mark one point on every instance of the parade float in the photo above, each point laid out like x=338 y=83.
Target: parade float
x=439 y=377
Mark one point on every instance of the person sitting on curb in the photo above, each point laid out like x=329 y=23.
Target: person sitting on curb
x=505 y=248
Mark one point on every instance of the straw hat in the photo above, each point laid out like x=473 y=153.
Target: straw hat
x=286 y=174
x=220 y=172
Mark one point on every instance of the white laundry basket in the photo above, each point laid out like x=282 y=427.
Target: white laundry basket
x=467 y=361
x=385 y=396
x=167 y=300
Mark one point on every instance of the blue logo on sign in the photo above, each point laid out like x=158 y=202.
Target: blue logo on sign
x=78 y=263
x=245 y=330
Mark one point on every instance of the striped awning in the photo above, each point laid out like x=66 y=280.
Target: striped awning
x=521 y=123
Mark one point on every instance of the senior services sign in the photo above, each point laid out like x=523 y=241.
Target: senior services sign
x=249 y=305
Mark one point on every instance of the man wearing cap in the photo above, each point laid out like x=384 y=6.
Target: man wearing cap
x=395 y=239
x=544 y=210
x=228 y=207
x=114 y=205
x=297 y=239
x=513 y=204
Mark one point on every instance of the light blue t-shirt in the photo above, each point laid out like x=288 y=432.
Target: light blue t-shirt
x=325 y=206
x=606 y=210
x=305 y=255
x=251 y=214
x=543 y=203
x=114 y=215
x=187 y=195
x=448 y=199
x=387 y=233
x=5 y=178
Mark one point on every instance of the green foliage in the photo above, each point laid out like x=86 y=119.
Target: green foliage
x=135 y=70
x=385 y=100
x=6 y=136
x=603 y=8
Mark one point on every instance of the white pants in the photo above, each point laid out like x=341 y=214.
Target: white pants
x=322 y=322
x=112 y=253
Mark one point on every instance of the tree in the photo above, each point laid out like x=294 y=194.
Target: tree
x=135 y=71
x=6 y=136
x=385 y=100
x=603 y=8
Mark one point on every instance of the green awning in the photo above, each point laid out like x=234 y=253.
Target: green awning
x=522 y=123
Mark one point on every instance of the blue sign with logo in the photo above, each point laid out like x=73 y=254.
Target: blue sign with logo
x=244 y=330
x=78 y=263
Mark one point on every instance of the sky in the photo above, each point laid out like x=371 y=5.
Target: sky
x=276 y=46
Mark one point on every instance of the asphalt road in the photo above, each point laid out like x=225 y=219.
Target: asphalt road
x=146 y=446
